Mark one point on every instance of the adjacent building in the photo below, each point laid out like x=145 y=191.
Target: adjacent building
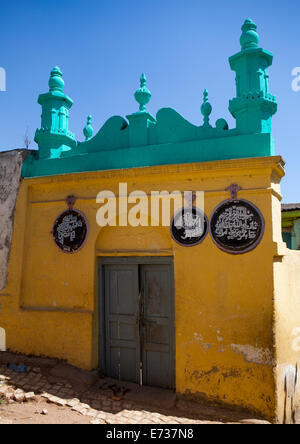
x=291 y=225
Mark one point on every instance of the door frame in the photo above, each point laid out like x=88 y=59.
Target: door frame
x=131 y=260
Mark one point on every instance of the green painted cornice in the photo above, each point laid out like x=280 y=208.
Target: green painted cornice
x=55 y=95
x=251 y=54
x=209 y=149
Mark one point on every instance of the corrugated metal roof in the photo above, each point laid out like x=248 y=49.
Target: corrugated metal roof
x=290 y=207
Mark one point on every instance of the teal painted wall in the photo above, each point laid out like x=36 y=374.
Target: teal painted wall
x=287 y=238
x=296 y=235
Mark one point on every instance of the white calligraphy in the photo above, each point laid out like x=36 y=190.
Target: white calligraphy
x=67 y=228
x=193 y=225
x=236 y=222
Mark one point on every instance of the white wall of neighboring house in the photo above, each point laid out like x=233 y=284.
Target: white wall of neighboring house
x=2 y=340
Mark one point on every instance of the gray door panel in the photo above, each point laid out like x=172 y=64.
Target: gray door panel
x=138 y=318
x=121 y=319
x=157 y=322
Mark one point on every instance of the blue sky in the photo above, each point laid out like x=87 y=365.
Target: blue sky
x=183 y=47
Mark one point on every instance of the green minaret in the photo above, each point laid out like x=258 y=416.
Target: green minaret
x=253 y=106
x=54 y=136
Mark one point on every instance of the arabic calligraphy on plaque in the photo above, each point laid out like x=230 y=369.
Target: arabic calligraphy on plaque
x=237 y=226
x=70 y=231
x=189 y=226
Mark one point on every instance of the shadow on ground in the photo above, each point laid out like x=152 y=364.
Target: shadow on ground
x=108 y=396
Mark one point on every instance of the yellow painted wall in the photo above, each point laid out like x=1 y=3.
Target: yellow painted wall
x=223 y=303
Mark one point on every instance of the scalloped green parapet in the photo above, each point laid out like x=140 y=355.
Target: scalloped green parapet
x=143 y=140
x=169 y=139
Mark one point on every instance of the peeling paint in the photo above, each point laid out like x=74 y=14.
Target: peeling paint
x=198 y=375
x=205 y=345
x=198 y=338
x=10 y=175
x=254 y=354
x=290 y=381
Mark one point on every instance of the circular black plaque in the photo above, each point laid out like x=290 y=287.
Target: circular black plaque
x=70 y=231
x=189 y=226
x=237 y=226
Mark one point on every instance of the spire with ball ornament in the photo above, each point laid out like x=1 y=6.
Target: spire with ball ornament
x=253 y=106
x=56 y=81
x=54 y=136
x=142 y=95
x=88 y=130
x=249 y=37
x=140 y=121
x=206 y=108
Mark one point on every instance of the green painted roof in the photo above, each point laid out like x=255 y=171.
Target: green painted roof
x=290 y=213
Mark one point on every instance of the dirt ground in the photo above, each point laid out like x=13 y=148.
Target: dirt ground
x=53 y=392
x=31 y=413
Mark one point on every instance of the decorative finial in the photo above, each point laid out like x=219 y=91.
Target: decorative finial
x=70 y=201
x=56 y=81
x=206 y=108
x=143 y=95
x=249 y=37
x=233 y=189
x=88 y=129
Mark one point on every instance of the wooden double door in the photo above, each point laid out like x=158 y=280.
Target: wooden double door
x=137 y=319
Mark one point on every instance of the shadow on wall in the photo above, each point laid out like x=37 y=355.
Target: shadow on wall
x=2 y=340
